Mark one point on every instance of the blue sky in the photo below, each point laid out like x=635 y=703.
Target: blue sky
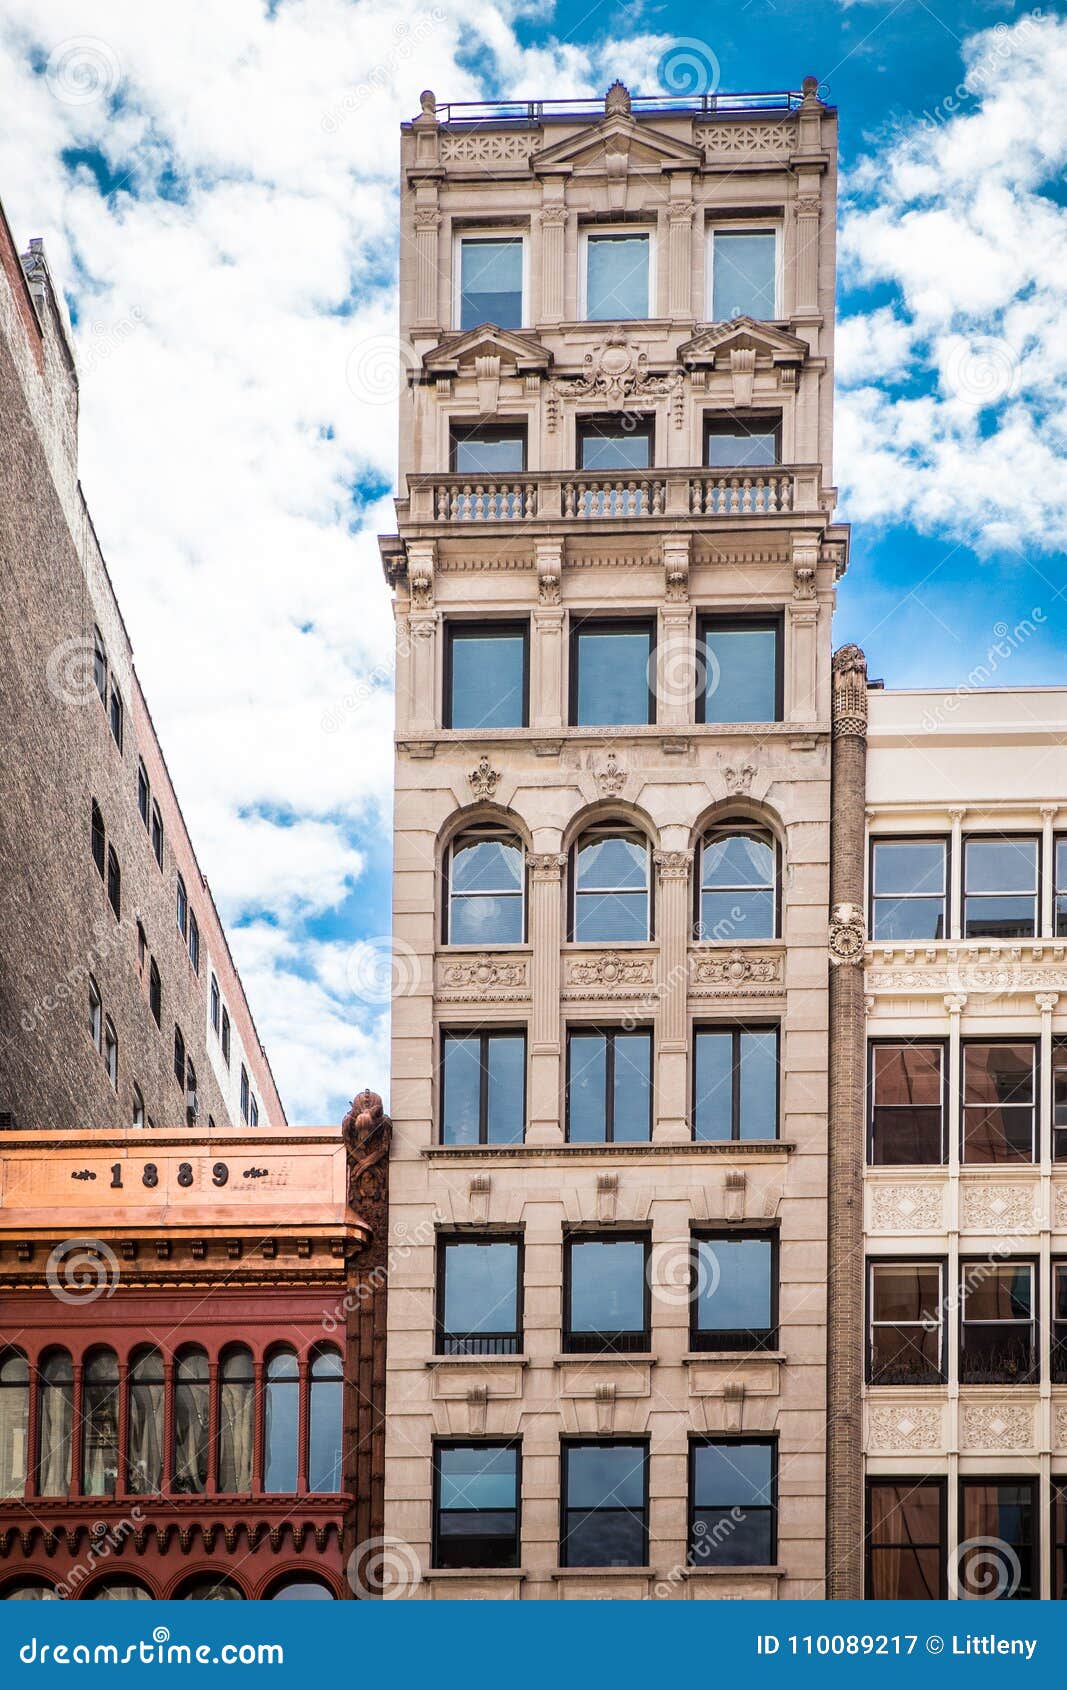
x=216 y=188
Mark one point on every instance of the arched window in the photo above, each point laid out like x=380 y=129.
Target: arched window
x=137 y=1112
x=55 y=1420
x=612 y=895
x=155 y=992
x=738 y=884
x=97 y=835
x=14 y=1422
x=144 y=791
x=191 y=1421
x=194 y=942
x=301 y=1589
x=157 y=833
x=144 y=1435
x=119 y=1589
x=96 y=1018
x=486 y=903
x=100 y=1424
x=111 y=1052
x=114 y=881
x=281 y=1423
x=30 y=1590
x=179 y=1056
x=182 y=908
x=210 y=1587
x=324 y=1421
x=237 y=1420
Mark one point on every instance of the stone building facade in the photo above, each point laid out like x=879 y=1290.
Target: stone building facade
x=614 y=577
x=119 y=1000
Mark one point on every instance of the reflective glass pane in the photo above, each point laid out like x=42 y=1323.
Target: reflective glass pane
x=743 y=280
x=488 y=451
x=486 y=921
x=461 y=1088
x=324 y=1435
x=488 y=680
x=732 y=1475
x=490 y=283
x=736 y=915
x=608 y=447
x=613 y=676
x=759 y=1084
x=587 y=1089
x=478 y=1476
x=733 y=1284
x=738 y=860
x=740 y=448
x=909 y=866
x=713 y=1100
x=280 y=1435
x=607 y=1286
x=999 y=918
x=486 y=865
x=616 y=277
x=909 y=918
x=740 y=674
x=633 y=1088
x=481 y=1287
x=612 y=864
x=1001 y=865
x=506 y=1063
x=611 y=1476
x=619 y=916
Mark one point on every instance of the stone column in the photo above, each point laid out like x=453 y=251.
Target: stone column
x=845 y=1134
x=545 y=869
x=367 y=1132
x=546 y=661
x=673 y=921
x=427 y=270
x=1047 y=927
x=553 y=222
x=955 y=873
x=680 y=248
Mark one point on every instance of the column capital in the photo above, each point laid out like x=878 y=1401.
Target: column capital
x=546 y=865
x=1046 y=1001
x=673 y=865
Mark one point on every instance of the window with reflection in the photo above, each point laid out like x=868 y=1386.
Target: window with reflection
x=734 y=1305
x=111 y=1052
x=735 y=1083
x=736 y=442
x=55 y=1424
x=191 y=1421
x=618 y=275
x=612 y=892
x=119 y=1589
x=210 y=1587
x=609 y=1086
x=100 y=1424
x=1059 y=1101
x=486 y=683
x=114 y=881
x=479 y=1296
x=237 y=1420
x=96 y=1014
x=733 y=1502
x=1059 y=1540
x=325 y=1386
x=1002 y=1512
x=155 y=991
x=301 y=1590
x=613 y=673
x=907 y=1104
x=157 y=833
x=30 y=1590
x=14 y=1422
x=1060 y=889
x=906 y=1343
x=96 y=834
x=144 y=1447
x=739 y=670
x=490 y=281
x=744 y=274
x=483 y=1087
x=281 y=1422
x=738 y=895
x=605 y=1504
x=998 y=1341
x=999 y=1101
x=487 y=449
x=909 y=889
x=486 y=889
x=1000 y=888
x=1059 y=1323
x=610 y=445
x=906 y=1540
x=476 y=1505
x=606 y=1296
x=144 y=791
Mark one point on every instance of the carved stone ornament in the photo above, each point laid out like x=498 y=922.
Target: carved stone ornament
x=367 y=1132
x=616 y=371
x=617 y=100
x=611 y=969
x=673 y=865
x=484 y=780
x=849 y=681
x=905 y=1426
x=996 y=1426
x=549 y=574
x=737 y=968
x=486 y=973
x=847 y=934
x=739 y=778
x=611 y=779
x=906 y=1208
x=998 y=1208
x=546 y=865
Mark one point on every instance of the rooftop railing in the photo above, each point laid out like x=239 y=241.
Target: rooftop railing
x=515 y=113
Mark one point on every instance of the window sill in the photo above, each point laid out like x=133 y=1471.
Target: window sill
x=733 y=1357
x=645 y=1358
x=518 y=1360
x=601 y=1573
x=733 y=1572
x=475 y=1573
x=752 y=1149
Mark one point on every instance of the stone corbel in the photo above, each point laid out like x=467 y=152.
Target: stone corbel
x=487 y=376
x=805 y=569
x=742 y=373
x=616 y=169
x=477 y=1406
x=605 y=1409
x=734 y=1195
x=676 y=557
x=478 y=1194
x=607 y=1194
x=549 y=558
x=422 y=561
x=733 y=1411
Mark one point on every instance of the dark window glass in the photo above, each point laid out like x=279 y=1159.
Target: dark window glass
x=909 y=889
x=225 y=1037
x=97 y=838
x=216 y=1003
x=735 y=1083
x=55 y=1424
x=906 y=1341
x=1059 y=1101
x=738 y=892
x=477 y=1506
x=606 y=1296
x=906 y=1541
x=95 y=1014
x=1061 y=888
x=194 y=942
x=115 y=716
x=100 y=665
x=237 y=1421
x=733 y=1503
x=182 y=907
x=245 y=1093
x=486 y=676
x=14 y=1422
x=143 y=793
x=192 y=1421
x=253 y=1111
x=907 y=1104
x=617 y=277
x=1059 y=1540
x=179 y=1056
x=733 y=443
x=144 y=1430
x=157 y=834
x=605 y=1511
x=998 y=1341
x=740 y=680
x=611 y=887
x=485 y=890
x=490 y=281
x=100 y=1424
x=1000 y=888
x=114 y=881
x=999 y=1102
x=743 y=275
x=489 y=449
x=111 y=1053
x=281 y=1422
x=735 y=1293
x=324 y=1422
x=155 y=992
x=609 y=1087
x=137 y=1112
x=1059 y=1323
x=1001 y=1514
x=483 y=1088
x=478 y=1296
x=609 y=444
x=613 y=678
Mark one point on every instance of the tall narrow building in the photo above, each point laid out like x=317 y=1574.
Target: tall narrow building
x=614 y=576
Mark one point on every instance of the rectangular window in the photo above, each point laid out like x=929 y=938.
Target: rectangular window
x=736 y=442
x=739 y=670
x=1059 y=1323
x=143 y=792
x=476 y=1505
x=488 y=449
x=998 y=1317
x=999 y=1101
x=245 y=1094
x=1000 y=888
x=1060 y=914
x=216 y=1002
x=253 y=1111
x=604 y=1504
x=155 y=992
x=1059 y=1101
x=115 y=716
x=610 y=875
x=735 y=1083
x=609 y=1086
x=1059 y=1540
x=907 y=1104
x=1001 y=1512
x=618 y=275
x=907 y=1540
x=490 y=281
x=479 y=1296
x=486 y=681
x=225 y=1039
x=100 y=665
x=181 y=907
x=157 y=835
x=734 y=1305
x=906 y=1342
x=606 y=1295
x=179 y=1056
x=909 y=888
x=733 y=1502
x=613 y=673
x=744 y=274
x=194 y=942
x=483 y=1088
x=609 y=445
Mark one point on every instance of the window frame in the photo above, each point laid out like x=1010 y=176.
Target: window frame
x=116 y=714
x=757 y=621
x=1057 y=1544
x=942 y=839
x=225 y=1036
x=487 y=1235
x=923 y=1260
x=701 y=1440
x=510 y=428
x=587 y=420
x=487 y=626
x=144 y=793
x=101 y=671
x=486 y=832
x=179 y=1052
x=96 y=1015
x=770 y=225
x=1057 y=1345
x=114 y=882
x=622 y=1441
x=700 y=1338
x=1032 y=1375
x=638 y=227
x=98 y=840
x=732 y=827
x=1059 y=841
x=155 y=992
x=608 y=1032
x=1034 y=1042
x=605 y=1343
x=110 y=1053
x=908 y=1042
x=1022 y=1481
x=214 y=1003
x=938 y=1482
x=488 y=232
x=440 y=1444
x=157 y=834
x=483 y=1034
x=713 y=422
x=736 y=1028
x=1024 y=837
x=612 y=829
x=594 y=625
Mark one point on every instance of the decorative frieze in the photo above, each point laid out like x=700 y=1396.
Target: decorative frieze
x=907 y=1208
x=484 y=976
x=609 y=973
x=489 y=150
x=998 y=1208
x=904 y=1427
x=737 y=972
x=484 y=780
x=996 y=1426
x=760 y=140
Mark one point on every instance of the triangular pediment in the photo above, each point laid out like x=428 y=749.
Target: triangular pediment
x=516 y=351
x=743 y=333
x=613 y=135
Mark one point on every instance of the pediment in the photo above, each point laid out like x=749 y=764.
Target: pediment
x=515 y=351
x=743 y=333
x=614 y=135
